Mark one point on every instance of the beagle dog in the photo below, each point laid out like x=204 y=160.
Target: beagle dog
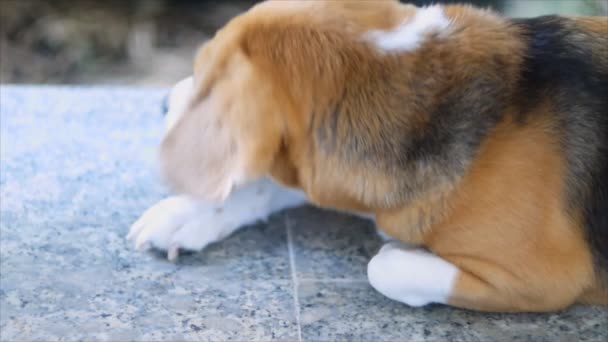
x=480 y=142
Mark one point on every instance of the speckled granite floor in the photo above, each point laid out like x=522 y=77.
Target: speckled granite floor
x=78 y=167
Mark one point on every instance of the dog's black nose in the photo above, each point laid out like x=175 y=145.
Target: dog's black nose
x=165 y=104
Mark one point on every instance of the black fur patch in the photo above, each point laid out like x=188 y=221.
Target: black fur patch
x=457 y=125
x=597 y=212
x=560 y=66
x=391 y=139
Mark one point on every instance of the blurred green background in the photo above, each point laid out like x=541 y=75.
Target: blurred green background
x=151 y=42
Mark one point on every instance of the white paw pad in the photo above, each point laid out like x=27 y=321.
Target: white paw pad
x=177 y=223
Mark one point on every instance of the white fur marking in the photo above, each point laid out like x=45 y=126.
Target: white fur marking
x=410 y=35
x=411 y=275
x=180 y=222
x=179 y=98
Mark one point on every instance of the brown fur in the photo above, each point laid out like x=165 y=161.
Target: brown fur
x=516 y=187
x=271 y=99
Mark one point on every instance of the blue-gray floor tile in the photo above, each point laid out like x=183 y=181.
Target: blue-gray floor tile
x=353 y=311
x=328 y=245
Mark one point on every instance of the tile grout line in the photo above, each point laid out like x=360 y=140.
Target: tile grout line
x=294 y=277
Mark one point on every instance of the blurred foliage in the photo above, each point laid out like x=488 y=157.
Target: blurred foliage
x=54 y=41
x=59 y=41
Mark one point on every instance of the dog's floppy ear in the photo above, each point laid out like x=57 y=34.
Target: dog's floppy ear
x=199 y=155
x=229 y=134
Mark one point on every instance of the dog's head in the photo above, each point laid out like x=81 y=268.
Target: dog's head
x=258 y=88
x=223 y=123
x=330 y=96
x=228 y=122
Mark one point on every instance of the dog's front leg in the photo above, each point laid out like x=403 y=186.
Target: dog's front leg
x=180 y=222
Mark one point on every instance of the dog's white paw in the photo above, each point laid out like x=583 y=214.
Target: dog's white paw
x=178 y=223
x=411 y=275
